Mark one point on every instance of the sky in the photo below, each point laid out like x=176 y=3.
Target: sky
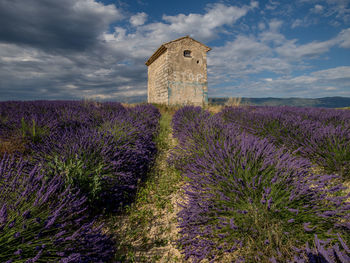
x=90 y=49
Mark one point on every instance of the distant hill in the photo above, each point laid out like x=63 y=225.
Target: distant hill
x=327 y=102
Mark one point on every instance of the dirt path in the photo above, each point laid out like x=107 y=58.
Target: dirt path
x=148 y=230
x=165 y=224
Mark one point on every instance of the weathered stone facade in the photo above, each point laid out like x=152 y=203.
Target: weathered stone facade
x=177 y=73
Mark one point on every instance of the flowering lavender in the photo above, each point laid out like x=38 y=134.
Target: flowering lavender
x=321 y=135
x=34 y=120
x=80 y=158
x=323 y=252
x=40 y=222
x=245 y=195
x=187 y=120
x=104 y=149
x=105 y=162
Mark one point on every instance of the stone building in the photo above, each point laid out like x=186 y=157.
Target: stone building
x=177 y=73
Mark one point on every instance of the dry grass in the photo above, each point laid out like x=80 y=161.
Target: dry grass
x=167 y=109
x=233 y=101
x=344 y=108
x=12 y=145
x=215 y=108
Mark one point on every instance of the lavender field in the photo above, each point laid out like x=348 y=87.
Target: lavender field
x=102 y=182
x=63 y=165
x=264 y=184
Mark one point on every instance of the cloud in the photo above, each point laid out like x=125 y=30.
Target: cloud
x=275 y=25
x=37 y=75
x=205 y=26
x=334 y=74
x=239 y=55
x=63 y=25
x=323 y=83
x=139 y=19
x=305 y=22
x=344 y=38
x=242 y=58
x=245 y=64
x=272 y=34
x=339 y=8
x=310 y=50
x=261 y=26
x=292 y=51
x=272 y=5
x=335 y=10
x=317 y=9
x=146 y=38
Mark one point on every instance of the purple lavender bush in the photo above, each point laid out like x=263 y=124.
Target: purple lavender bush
x=81 y=159
x=104 y=149
x=34 y=120
x=323 y=136
x=43 y=221
x=329 y=147
x=107 y=162
x=321 y=253
x=247 y=200
x=187 y=120
x=335 y=117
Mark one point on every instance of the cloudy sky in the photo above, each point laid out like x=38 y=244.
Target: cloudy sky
x=74 y=49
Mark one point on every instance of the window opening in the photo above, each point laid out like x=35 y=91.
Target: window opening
x=187 y=53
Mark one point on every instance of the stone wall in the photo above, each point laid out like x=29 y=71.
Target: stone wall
x=175 y=79
x=158 y=80
x=187 y=83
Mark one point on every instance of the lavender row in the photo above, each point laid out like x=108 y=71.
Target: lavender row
x=335 y=117
x=103 y=148
x=249 y=201
x=321 y=135
x=36 y=119
x=86 y=159
x=106 y=162
x=43 y=221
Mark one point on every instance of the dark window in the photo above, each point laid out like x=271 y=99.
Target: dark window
x=187 y=53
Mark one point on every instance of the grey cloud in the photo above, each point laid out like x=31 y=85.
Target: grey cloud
x=235 y=67
x=33 y=74
x=323 y=83
x=310 y=50
x=243 y=57
x=46 y=24
x=291 y=50
x=54 y=50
